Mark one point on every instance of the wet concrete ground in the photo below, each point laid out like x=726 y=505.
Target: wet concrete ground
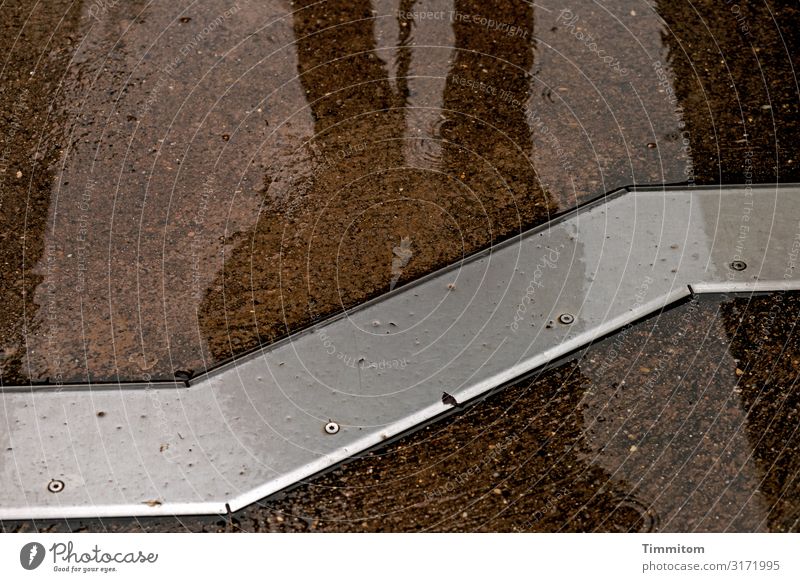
x=184 y=182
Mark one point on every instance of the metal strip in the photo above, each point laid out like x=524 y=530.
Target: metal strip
x=262 y=423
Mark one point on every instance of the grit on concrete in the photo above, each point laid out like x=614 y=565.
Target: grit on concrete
x=184 y=182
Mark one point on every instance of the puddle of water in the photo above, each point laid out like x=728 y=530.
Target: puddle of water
x=233 y=170
x=196 y=179
x=229 y=171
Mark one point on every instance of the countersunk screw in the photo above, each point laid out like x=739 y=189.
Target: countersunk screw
x=331 y=427
x=566 y=318
x=55 y=486
x=738 y=265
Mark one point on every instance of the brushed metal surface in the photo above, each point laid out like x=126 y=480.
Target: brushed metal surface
x=258 y=425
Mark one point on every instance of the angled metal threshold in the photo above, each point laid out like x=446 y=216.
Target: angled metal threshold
x=284 y=413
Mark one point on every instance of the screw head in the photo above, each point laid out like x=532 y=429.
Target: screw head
x=55 y=486
x=331 y=428
x=566 y=318
x=738 y=265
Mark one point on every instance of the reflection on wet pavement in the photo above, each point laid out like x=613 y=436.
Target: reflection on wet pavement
x=182 y=182
x=232 y=171
x=734 y=75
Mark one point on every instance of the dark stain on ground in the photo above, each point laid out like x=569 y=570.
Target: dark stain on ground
x=684 y=422
x=737 y=86
x=36 y=41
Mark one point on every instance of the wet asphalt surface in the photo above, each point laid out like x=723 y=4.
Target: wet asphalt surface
x=182 y=183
